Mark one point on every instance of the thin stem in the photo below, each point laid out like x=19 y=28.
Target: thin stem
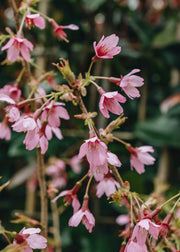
x=43 y=194
x=172 y=210
x=21 y=26
x=92 y=62
x=20 y=75
x=7 y=238
x=16 y=13
x=131 y=211
x=101 y=77
x=136 y=199
x=42 y=14
x=166 y=202
x=94 y=83
x=88 y=185
x=82 y=179
x=119 y=140
x=56 y=226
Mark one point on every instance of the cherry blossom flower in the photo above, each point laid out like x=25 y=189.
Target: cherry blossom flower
x=5 y=132
x=95 y=151
x=13 y=113
x=57 y=171
x=17 y=45
x=25 y=123
x=108 y=186
x=129 y=82
x=101 y=170
x=6 y=98
x=74 y=162
x=34 y=20
x=12 y=91
x=106 y=48
x=83 y=215
x=32 y=238
x=135 y=247
x=110 y=101
x=70 y=197
x=56 y=112
x=123 y=219
x=142 y=228
x=59 y=29
x=140 y=157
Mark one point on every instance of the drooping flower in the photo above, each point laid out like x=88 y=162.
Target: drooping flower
x=17 y=45
x=59 y=29
x=140 y=157
x=95 y=151
x=56 y=112
x=135 y=247
x=34 y=20
x=12 y=91
x=25 y=123
x=141 y=230
x=83 y=215
x=110 y=101
x=57 y=171
x=5 y=132
x=32 y=238
x=129 y=82
x=13 y=113
x=101 y=170
x=106 y=186
x=70 y=197
x=74 y=162
x=106 y=48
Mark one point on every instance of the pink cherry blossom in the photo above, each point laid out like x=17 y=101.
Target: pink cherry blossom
x=5 y=132
x=56 y=112
x=70 y=197
x=34 y=19
x=135 y=247
x=57 y=172
x=110 y=101
x=142 y=228
x=83 y=215
x=17 y=45
x=12 y=91
x=25 y=123
x=101 y=170
x=32 y=238
x=13 y=113
x=123 y=219
x=106 y=48
x=6 y=98
x=140 y=157
x=95 y=151
x=59 y=29
x=108 y=186
x=74 y=162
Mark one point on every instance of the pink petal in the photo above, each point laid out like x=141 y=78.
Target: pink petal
x=113 y=159
x=76 y=218
x=71 y=27
x=31 y=231
x=36 y=241
x=13 y=53
x=39 y=22
x=6 y=98
x=8 y=44
x=25 y=52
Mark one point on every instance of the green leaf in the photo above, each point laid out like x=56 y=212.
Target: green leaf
x=163 y=130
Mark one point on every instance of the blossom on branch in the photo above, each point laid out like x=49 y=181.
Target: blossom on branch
x=83 y=215
x=59 y=29
x=17 y=45
x=110 y=101
x=140 y=157
x=129 y=82
x=32 y=238
x=34 y=20
x=106 y=48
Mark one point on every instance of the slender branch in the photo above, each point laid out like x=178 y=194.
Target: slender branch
x=43 y=193
x=16 y=13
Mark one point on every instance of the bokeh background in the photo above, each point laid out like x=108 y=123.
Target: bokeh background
x=149 y=33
